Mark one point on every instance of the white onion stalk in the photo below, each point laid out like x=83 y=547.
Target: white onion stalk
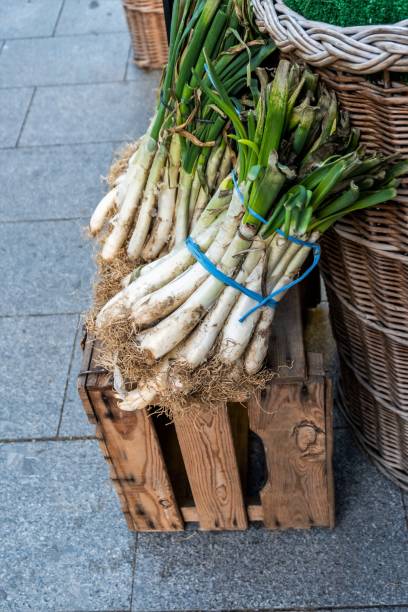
x=159 y=272
x=119 y=179
x=213 y=165
x=146 y=393
x=225 y=166
x=182 y=206
x=258 y=346
x=101 y=212
x=163 y=337
x=192 y=352
x=200 y=204
x=212 y=173
x=209 y=173
x=136 y=176
x=169 y=268
x=165 y=300
x=166 y=204
x=144 y=218
x=194 y=194
x=196 y=348
x=236 y=334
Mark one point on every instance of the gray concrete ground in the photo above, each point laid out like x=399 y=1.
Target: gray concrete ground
x=69 y=96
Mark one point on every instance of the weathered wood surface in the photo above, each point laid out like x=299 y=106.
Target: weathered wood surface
x=254 y=513
x=292 y=421
x=206 y=456
x=131 y=447
x=286 y=354
x=209 y=456
x=87 y=346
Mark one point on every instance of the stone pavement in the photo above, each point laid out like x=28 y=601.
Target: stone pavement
x=69 y=96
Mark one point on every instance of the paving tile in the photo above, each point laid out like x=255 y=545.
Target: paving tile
x=19 y=18
x=60 y=60
x=13 y=108
x=385 y=609
x=67 y=546
x=90 y=113
x=52 y=182
x=133 y=71
x=89 y=16
x=339 y=420
x=360 y=563
x=74 y=420
x=46 y=268
x=36 y=353
x=405 y=500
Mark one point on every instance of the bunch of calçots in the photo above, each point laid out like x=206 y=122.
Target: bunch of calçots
x=253 y=165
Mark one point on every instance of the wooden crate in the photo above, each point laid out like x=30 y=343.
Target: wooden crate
x=269 y=461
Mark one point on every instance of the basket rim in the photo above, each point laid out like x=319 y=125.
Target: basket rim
x=362 y=49
x=345 y=29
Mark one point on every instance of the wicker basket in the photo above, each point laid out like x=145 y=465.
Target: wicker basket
x=147 y=28
x=379 y=430
x=365 y=257
x=378 y=357
x=361 y=49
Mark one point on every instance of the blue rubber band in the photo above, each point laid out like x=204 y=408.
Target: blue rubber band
x=257 y=297
x=255 y=214
x=236 y=186
x=241 y=197
x=270 y=298
x=214 y=271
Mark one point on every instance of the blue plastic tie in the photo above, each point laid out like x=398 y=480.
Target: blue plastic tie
x=236 y=186
x=257 y=297
x=214 y=271
x=255 y=214
x=241 y=197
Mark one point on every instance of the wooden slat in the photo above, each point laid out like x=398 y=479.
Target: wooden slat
x=286 y=348
x=238 y=418
x=292 y=425
x=139 y=471
x=190 y=514
x=209 y=456
x=329 y=451
x=82 y=380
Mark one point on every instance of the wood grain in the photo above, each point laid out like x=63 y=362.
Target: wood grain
x=286 y=353
x=291 y=421
x=83 y=377
x=209 y=456
x=190 y=515
x=202 y=461
x=133 y=448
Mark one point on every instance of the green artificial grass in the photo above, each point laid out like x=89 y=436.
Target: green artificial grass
x=351 y=12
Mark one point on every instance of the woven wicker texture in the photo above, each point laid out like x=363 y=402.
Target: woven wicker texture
x=378 y=357
x=380 y=111
x=365 y=257
x=381 y=432
x=147 y=28
x=373 y=280
x=359 y=49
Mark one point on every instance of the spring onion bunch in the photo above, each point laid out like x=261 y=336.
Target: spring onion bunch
x=299 y=169
x=183 y=156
